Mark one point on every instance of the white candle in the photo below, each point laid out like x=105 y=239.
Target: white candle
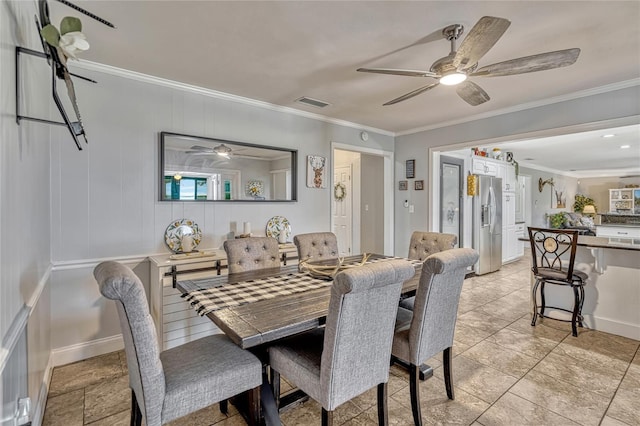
x=186 y=243
x=247 y=228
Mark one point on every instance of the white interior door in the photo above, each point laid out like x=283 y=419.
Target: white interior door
x=342 y=225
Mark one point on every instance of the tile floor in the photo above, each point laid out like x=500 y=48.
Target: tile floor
x=505 y=373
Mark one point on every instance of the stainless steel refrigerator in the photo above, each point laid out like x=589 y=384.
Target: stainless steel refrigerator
x=487 y=224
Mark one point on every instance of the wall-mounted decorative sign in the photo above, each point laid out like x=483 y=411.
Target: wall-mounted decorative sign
x=419 y=185
x=410 y=168
x=316 y=171
x=402 y=185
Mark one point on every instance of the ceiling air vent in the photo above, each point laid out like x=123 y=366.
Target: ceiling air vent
x=313 y=102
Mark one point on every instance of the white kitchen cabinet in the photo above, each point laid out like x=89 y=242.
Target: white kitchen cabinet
x=621 y=200
x=619 y=231
x=484 y=166
x=175 y=319
x=521 y=232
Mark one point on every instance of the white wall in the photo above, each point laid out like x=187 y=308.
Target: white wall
x=24 y=210
x=544 y=203
x=594 y=108
x=104 y=199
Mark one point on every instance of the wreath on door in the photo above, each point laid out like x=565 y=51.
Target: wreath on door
x=339 y=191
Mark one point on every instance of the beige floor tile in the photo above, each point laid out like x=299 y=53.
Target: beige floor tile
x=618 y=347
x=207 y=416
x=523 y=325
x=84 y=373
x=65 y=409
x=478 y=379
x=468 y=335
x=236 y=420
x=106 y=398
x=609 y=421
x=535 y=347
x=122 y=418
x=624 y=407
x=579 y=405
x=437 y=409
x=597 y=378
x=502 y=359
x=511 y=407
x=505 y=309
x=310 y=413
x=398 y=415
x=479 y=320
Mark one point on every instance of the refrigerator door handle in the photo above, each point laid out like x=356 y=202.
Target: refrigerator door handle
x=492 y=209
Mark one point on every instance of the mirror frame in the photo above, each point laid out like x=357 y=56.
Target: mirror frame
x=294 y=167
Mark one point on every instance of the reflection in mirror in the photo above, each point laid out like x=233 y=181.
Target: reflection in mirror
x=205 y=169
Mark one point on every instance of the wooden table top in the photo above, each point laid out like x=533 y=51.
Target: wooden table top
x=264 y=321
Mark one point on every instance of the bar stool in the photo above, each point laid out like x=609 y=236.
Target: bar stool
x=548 y=246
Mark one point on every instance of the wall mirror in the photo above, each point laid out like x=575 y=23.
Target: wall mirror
x=194 y=168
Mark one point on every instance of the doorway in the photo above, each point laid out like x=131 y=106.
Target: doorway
x=451 y=197
x=369 y=190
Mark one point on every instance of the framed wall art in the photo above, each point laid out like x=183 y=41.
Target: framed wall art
x=419 y=185
x=411 y=169
x=316 y=171
x=402 y=185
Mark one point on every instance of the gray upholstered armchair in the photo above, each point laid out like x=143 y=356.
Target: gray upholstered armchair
x=316 y=245
x=428 y=329
x=351 y=354
x=248 y=254
x=168 y=385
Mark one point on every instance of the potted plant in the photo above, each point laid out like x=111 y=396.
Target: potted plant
x=556 y=220
x=581 y=201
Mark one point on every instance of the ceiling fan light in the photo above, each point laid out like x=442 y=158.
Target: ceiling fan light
x=453 y=79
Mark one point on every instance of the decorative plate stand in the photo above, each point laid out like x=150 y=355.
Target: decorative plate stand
x=278 y=225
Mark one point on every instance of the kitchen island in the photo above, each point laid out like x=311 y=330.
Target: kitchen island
x=612 y=293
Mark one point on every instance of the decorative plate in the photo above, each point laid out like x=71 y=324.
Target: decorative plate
x=177 y=230
x=277 y=224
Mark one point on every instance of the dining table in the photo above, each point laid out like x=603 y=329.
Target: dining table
x=259 y=307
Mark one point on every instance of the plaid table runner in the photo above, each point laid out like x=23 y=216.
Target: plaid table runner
x=205 y=296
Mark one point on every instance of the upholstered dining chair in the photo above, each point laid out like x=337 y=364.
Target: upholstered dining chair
x=553 y=254
x=248 y=254
x=428 y=329
x=351 y=354
x=171 y=384
x=423 y=245
x=316 y=245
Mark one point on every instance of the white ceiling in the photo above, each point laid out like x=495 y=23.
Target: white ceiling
x=277 y=52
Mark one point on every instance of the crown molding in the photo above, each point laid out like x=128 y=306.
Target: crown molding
x=529 y=105
x=145 y=78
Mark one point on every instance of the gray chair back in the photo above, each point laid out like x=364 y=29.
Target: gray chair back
x=248 y=254
x=359 y=329
x=436 y=304
x=146 y=375
x=316 y=245
x=424 y=244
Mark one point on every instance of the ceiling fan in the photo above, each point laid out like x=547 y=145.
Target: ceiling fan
x=221 y=150
x=453 y=69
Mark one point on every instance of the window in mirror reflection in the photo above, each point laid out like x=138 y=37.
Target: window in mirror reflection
x=195 y=168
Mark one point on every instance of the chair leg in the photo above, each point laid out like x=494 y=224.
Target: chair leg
x=580 y=317
x=224 y=407
x=576 y=307
x=534 y=297
x=327 y=417
x=447 y=364
x=275 y=385
x=136 y=414
x=542 y=301
x=254 y=406
x=383 y=413
x=415 y=395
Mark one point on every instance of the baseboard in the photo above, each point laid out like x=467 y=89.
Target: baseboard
x=82 y=351
x=37 y=417
x=632 y=331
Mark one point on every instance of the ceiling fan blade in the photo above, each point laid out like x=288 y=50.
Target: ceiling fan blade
x=540 y=62
x=201 y=148
x=484 y=34
x=471 y=93
x=391 y=71
x=412 y=94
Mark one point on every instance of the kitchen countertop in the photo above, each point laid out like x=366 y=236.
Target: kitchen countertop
x=605 y=242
